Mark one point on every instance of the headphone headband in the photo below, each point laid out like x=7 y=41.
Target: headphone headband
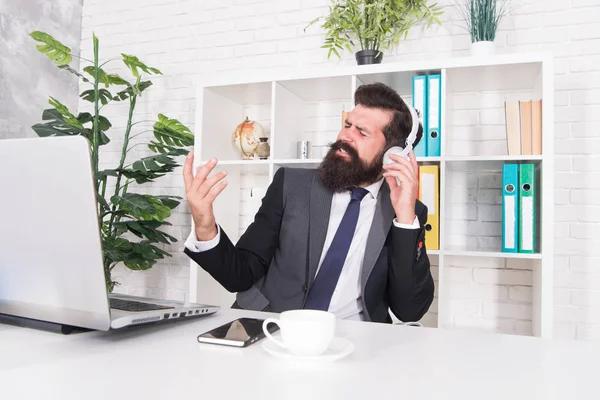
x=412 y=136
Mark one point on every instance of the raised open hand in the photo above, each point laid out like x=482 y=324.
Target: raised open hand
x=201 y=191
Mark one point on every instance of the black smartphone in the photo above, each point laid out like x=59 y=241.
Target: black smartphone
x=241 y=332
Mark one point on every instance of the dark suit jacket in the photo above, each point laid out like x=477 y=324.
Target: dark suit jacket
x=275 y=261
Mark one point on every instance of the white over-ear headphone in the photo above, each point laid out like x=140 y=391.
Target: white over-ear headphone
x=412 y=136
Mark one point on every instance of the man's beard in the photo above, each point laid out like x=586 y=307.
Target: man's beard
x=339 y=173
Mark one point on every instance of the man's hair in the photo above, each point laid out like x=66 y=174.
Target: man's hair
x=377 y=95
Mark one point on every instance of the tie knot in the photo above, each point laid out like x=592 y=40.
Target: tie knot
x=358 y=193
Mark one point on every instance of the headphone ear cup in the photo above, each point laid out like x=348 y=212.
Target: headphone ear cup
x=397 y=150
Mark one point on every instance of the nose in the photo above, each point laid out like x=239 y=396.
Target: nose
x=345 y=134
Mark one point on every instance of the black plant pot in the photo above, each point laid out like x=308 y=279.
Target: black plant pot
x=365 y=57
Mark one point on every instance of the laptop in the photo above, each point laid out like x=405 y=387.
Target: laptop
x=51 y=267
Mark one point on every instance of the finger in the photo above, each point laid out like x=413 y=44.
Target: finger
x=413 y=162
x=215 y=191
x=209 y=183
x=187 y=170
x=201 y=174
x=403 y=176
x=392 y=183
x=399 y=160
x=406 y=168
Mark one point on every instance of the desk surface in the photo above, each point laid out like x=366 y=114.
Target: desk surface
x=166 y=362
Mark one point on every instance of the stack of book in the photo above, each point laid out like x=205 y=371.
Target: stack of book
x=519 y=202
x=523 y=127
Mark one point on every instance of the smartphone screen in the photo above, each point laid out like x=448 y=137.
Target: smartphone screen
x=240 y=332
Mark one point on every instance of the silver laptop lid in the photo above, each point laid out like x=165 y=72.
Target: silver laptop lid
x=50 y=249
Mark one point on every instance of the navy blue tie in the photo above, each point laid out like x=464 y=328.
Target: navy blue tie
x=324 y=284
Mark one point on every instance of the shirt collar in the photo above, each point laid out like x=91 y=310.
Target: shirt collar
x=374 y=188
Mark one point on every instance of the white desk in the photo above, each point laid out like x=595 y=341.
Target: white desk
x=166 y=362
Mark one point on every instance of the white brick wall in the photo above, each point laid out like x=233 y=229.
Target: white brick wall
x=189 y=40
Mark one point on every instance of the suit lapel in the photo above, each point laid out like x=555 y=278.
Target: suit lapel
x=382 y=221
x=320 y=208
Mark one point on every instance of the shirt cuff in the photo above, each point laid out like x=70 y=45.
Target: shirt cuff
x=415 y=224
x=193 y=244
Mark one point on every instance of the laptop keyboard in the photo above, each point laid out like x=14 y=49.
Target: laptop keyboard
x=130 y=305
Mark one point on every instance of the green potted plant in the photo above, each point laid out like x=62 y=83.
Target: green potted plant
x=481 y=18
x=373 y=25
x=130 y=221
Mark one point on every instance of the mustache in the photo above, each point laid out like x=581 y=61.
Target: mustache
x=341 y=145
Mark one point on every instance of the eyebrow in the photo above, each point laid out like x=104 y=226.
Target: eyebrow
x=358 y=127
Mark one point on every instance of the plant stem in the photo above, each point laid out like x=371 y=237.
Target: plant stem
x=127 y=182
x=95 y=136
x=135 y=145
x=104 y=187
x=132 y=101
x=107 y=61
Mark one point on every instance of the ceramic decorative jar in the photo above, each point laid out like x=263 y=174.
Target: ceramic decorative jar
x=263 y=150
x=246 y=138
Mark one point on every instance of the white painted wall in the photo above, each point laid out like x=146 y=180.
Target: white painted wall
x=190 y=40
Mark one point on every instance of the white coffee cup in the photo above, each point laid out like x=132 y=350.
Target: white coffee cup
x=305 y=333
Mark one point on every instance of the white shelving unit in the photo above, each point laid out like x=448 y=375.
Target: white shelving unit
x=307 y=105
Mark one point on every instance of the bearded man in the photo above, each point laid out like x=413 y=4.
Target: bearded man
x=347 y=237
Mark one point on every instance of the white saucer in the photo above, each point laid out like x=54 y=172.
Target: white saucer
x=338 y=348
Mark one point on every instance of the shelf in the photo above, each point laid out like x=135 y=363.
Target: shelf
x=321 y=89
x=241 y=166
x=507 y=77
x=490 y=254
x=250 y=93
x=429 y=159
x=529 y=61
x=493 y=158
x=240 y=162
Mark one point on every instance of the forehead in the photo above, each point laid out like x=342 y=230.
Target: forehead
x=372 y=119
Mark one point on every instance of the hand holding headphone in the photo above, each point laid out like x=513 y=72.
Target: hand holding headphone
x=412 y=136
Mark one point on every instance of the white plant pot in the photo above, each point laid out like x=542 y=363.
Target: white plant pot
x=483 y=49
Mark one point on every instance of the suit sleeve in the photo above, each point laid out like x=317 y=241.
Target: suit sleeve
x=238 y=267
x=410 y=284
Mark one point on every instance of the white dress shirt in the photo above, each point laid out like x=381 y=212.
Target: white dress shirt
x=346 y=302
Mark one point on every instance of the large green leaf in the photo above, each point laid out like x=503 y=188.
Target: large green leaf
x=145 y=229
x=144 y=256
x=57 y=126
x=170 y=201
x=64 y=111
x=106 y=79
x=116 y=249
x=142 y=206
x=132 y=90
x=104 y=123
x=135 y=256
x=173 y=133
x=133 y=63
x=140 y=177
x=149 y=168
x=103 y=95
x=166 y=149
x=157 y=163
x=57 y=52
